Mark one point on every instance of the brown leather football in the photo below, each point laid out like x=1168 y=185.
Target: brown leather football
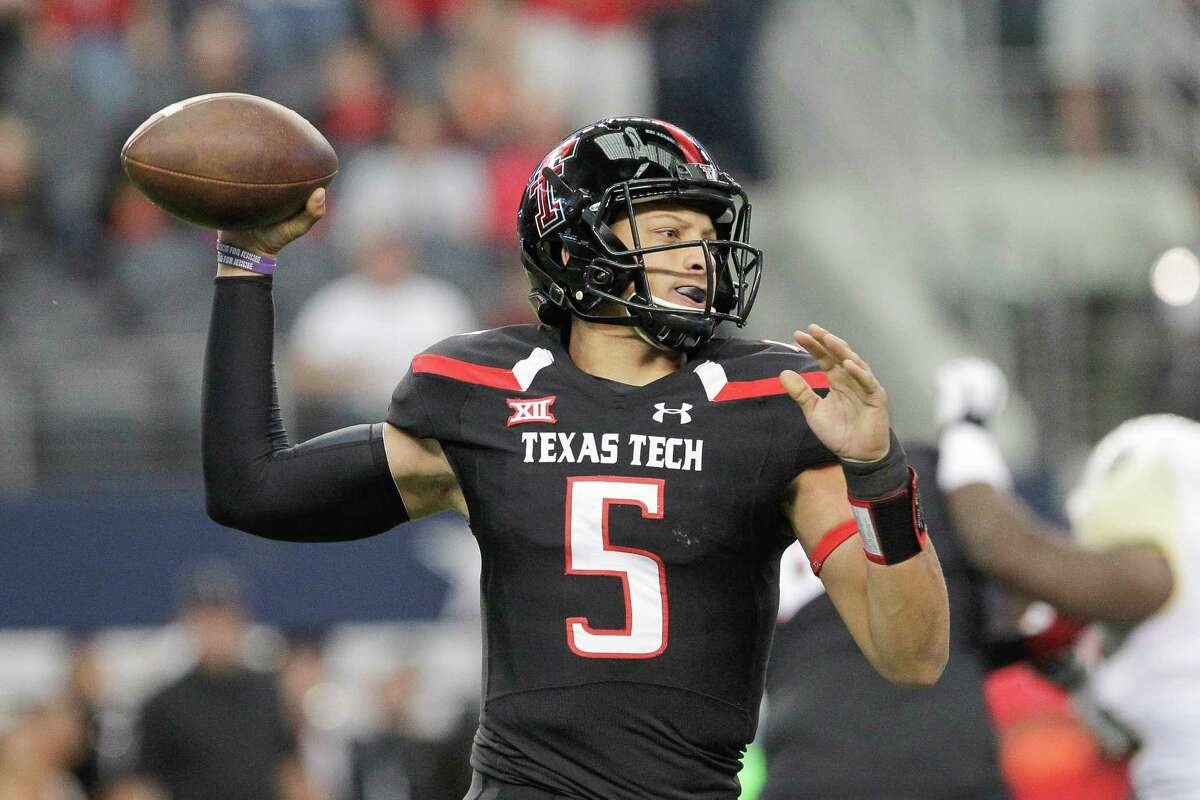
x=228 y=160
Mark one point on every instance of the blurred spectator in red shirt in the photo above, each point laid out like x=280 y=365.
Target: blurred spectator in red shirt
x=77 y=18
x=595 y=13
x=533 y=128
x=480 y=98
x=357 y=103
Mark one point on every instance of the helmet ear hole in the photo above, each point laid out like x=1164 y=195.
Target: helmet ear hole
x=600 y=277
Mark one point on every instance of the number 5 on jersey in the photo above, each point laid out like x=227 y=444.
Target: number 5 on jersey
x=643 y=576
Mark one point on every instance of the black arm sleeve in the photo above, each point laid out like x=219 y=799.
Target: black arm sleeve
x=335 y=487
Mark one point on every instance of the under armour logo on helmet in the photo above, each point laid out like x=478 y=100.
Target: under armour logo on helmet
x=682 y=411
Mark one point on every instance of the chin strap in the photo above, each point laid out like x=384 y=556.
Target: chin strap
x=676 y=331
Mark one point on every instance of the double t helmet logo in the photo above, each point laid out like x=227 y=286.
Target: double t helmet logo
x=682 y=411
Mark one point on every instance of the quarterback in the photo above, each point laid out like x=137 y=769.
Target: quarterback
x=631 y=476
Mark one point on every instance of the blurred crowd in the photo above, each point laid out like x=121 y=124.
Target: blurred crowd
x=233 y=714
x=438 y=109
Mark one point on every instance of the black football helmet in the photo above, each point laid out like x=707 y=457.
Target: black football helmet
x=607 y=170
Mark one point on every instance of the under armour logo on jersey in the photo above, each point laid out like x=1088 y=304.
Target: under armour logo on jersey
x=682 y=411
x=536 y=410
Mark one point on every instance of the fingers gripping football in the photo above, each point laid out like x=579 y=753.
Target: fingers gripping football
x=269 y=240
x=852 y=419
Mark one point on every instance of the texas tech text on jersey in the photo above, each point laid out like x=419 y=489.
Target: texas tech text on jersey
x=665 y=452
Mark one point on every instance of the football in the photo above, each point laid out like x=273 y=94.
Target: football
x=228 y=161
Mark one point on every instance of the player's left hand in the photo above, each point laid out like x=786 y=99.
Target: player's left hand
x=852 y=420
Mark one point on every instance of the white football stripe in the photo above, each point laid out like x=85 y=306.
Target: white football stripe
x=712 y=375
x=527 y=368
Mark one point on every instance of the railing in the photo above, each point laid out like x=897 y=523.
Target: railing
x=102 y=410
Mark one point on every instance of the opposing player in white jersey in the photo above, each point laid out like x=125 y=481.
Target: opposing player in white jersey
x=1133 y=566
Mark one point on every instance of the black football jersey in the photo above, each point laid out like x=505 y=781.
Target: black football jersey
x=630 y=539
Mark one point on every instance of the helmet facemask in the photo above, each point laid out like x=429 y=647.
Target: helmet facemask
x=577 y=265
x=600 y=269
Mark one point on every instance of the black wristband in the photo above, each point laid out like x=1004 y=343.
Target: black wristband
x=886 y=505
x=867 y=481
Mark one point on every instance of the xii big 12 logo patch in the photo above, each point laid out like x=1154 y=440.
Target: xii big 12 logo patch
x=532 y=410
x=550 y=211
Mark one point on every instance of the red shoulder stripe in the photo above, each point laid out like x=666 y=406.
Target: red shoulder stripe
x=495 y=377
x=765 y=387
